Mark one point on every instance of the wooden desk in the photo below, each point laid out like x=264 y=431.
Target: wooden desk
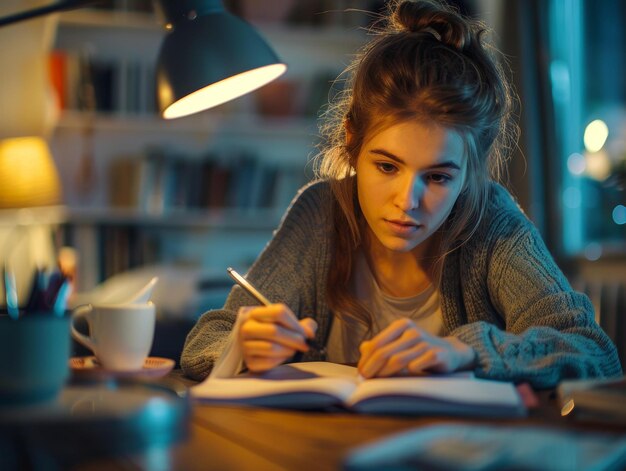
x=233 y=438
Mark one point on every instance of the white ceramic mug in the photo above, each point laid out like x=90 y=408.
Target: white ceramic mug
x=120 y=335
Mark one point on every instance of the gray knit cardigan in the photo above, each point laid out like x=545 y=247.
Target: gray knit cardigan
x=501 y=293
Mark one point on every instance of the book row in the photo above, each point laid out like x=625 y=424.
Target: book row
x=87 y=83
x=158 y=182
x=105 y=250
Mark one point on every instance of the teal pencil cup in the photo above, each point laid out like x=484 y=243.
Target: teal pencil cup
x=34 y=357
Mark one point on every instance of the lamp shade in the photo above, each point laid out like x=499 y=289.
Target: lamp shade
x=28 y=176
x=208 y=58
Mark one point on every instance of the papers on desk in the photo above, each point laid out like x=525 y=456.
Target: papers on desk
x=472 y=447
x=322 y=385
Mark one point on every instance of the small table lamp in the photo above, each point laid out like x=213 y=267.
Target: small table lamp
x=28 y=176
x=28 y=179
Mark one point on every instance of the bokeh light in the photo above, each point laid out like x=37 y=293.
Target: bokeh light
x=619 y=214
x=598 y=165
x=593 y=251
x=595 y=136
x=576 y=164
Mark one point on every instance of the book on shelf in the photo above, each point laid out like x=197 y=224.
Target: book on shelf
x=85 y=239
x=124 y=179
x=154 y=184
x=324 y=385
x=123 y=248
x=266 y=184
x=242 y=188
x=104 y=82
x=217 y=180
x=57 y=68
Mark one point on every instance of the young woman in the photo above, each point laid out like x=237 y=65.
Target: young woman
x=407 y=256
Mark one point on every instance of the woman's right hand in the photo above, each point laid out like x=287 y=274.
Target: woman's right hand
x=269 y=335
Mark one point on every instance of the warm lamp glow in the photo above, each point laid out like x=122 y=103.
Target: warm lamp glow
x=224 y=91
x=28 y=176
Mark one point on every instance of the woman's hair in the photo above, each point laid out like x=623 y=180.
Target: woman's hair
x=426 y=63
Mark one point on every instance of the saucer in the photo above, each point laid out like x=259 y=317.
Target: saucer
x=90 y=368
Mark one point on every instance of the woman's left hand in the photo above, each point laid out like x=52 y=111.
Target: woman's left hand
x=404 y=348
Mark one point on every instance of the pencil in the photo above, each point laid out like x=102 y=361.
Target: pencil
x=256 y=294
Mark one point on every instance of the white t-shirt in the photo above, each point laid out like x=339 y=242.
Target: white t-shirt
x=345 y=337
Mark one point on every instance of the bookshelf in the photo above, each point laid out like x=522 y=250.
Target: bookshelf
x=205 y=190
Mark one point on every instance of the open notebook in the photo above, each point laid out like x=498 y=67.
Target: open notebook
x=322 y=385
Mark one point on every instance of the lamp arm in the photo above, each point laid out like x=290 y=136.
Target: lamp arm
x=45 y=10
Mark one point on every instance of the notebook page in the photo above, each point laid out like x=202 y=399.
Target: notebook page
x=462 y=390
x=314 y=377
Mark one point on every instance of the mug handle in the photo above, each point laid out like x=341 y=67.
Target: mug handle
x=82 y=311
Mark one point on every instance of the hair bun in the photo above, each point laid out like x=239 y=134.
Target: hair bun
x=445 y=24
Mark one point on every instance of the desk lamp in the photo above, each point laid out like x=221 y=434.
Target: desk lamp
x=207 y=58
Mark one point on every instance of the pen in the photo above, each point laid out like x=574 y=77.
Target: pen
x=36 y=291
x=256 y=294
x=62 y=295
x=245 y=284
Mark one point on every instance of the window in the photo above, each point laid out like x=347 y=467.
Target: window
x=588 y=83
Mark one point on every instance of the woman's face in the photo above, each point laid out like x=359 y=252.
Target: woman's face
x=408 y=178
